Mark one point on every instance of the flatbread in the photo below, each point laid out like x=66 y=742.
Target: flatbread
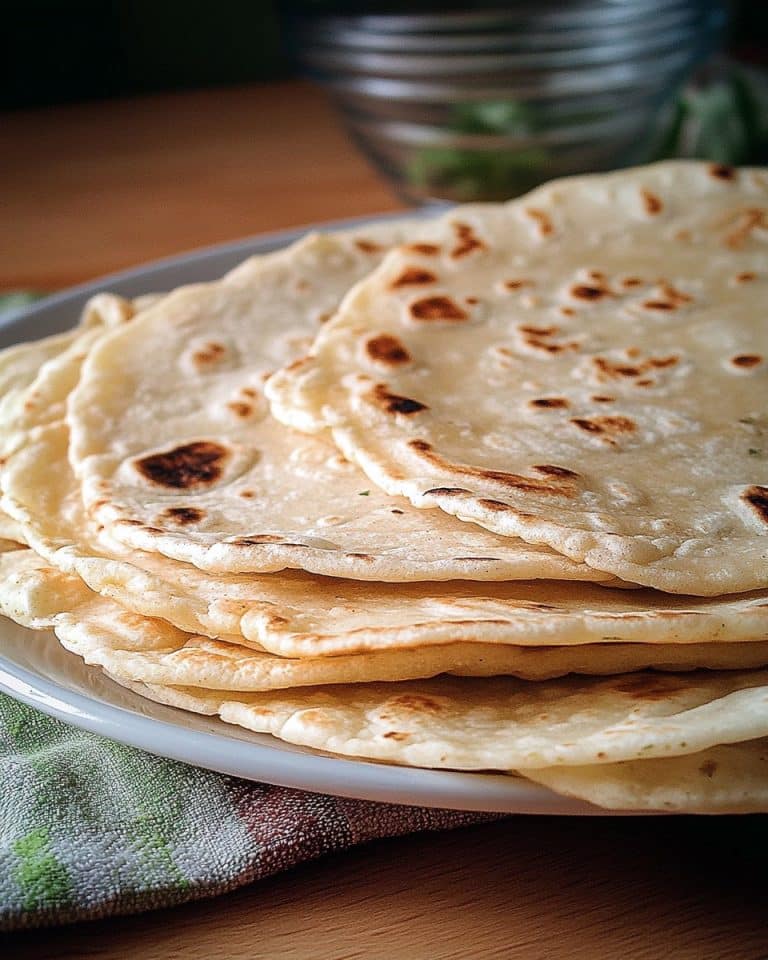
x=586 y=367
x=500 y=723
x=149 y=650
x=177 y=454
x=296 y=614
x=727 y=779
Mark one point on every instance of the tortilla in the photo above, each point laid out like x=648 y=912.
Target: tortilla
x=587 y=368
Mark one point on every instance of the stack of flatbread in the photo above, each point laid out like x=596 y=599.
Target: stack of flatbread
x=484 y=492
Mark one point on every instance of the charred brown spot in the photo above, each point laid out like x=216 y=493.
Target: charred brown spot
x=722 y=171
x=746 y=277
x=447 y=492
x=393 y=402
x=395 y=510
x=660 y=362
x=240 y=408
x=757 y=498
x=182 y=515
x=631 y=282
x=651 y=202
x=249 y=392
x=471 y=301
x=257 y=539
x=209 y=353
x=360 y=556
x=190 y=465
x=741 y=230
x=602 y=398
x=550 y=470
x=413 y=275
x=131 y=523
x=495 y=506
x=549 y=402
x=644 y=383
x=550 y=331
x=608 y=370
x=426 y=249
x=542 y=219
x=387 y=349
x=368 y=246
x=247 y=494
x=467 y=240
x=658 y=305
x=397 y=735
x=418 y=702
x=560 y=483
x=517 y=284
x=583 y=291
x=155 y=530
x=438 y=309
x=708 y=768
x=746 y=360
x=567 y=311
x=605 y=424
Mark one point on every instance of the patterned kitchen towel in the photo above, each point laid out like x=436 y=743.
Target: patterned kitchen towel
x=91 y=828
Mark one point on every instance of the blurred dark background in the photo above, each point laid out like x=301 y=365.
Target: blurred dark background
x=57 y=52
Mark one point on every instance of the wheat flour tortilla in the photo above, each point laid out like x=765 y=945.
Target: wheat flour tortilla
x=149 y=650
x=585 y=367
x=501 y=723
x=172 y=439
x=726 y=779
x=296 y=614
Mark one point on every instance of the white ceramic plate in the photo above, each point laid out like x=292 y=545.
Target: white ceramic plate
x=34 y=668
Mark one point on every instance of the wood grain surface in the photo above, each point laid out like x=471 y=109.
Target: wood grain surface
x=91 y=188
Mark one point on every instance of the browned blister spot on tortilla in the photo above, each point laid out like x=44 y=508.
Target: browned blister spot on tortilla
x=746 y=360
x=708 y=768
x=395 y=510
x=589 y=291
x=368 y=246
x=567 y=311
x=550 y=470
x=602 y=398
x=393 y=402
x=742 y=227
x=543 y=221
x=360 y=556
x=397 y=735
x=559 y=481
x=606 y=369
x=182 y=516
x=471 y=301
x=495 y=506
x=249 y=392
x=631 y=282
x=209 y=353
x=240 y=408
x=297 y=364
x=256 y=539
x=247 y=494
x=651 y=202
x=188 y=466
x=609 y=426
x=517 y=284
x=549 y=402
x=722 y=171
x=413 y=275
x=746 y=277
x=155 y=530
x=387 y=350
x=418 y=702
x=439 y=309
x=447 y=492
x=466 y=240
x=425 y=249
x=757 y=498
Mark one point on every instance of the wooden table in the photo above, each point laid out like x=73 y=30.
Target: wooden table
x=92 y=188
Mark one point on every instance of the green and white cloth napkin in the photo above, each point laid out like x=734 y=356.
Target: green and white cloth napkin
x=91 y=828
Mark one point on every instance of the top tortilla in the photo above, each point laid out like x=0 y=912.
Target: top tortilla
x=584 y=368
